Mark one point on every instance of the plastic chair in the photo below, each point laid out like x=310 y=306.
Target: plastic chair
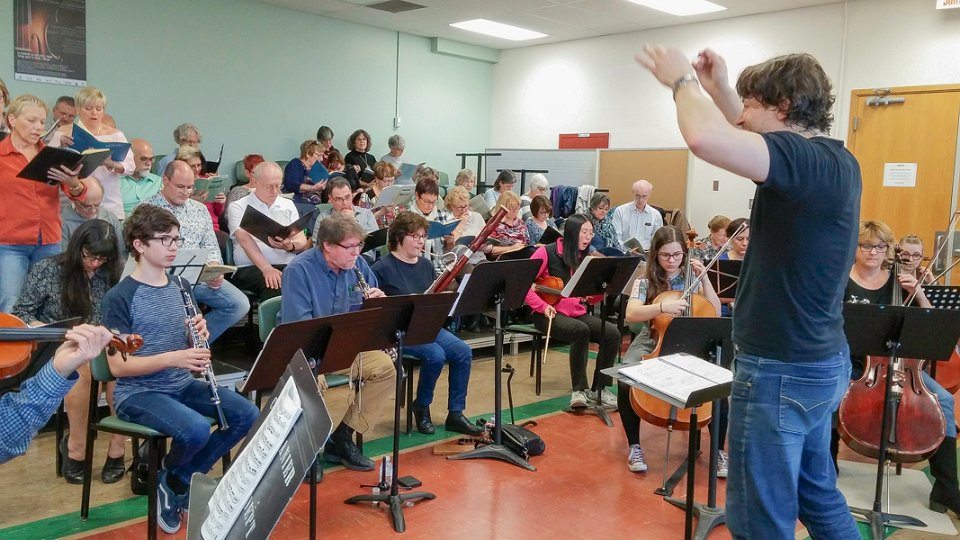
x=536 y=352
x=267 y=317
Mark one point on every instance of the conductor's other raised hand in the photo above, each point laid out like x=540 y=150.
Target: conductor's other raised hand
x=711 y=69
x=667 y=64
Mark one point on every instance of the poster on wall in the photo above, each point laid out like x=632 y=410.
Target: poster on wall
x=50 y=41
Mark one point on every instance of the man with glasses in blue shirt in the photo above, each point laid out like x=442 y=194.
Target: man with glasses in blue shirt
x=341 y=202
x=327 y=282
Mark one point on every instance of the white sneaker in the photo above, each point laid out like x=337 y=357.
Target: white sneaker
x=721 y=464
x=607 y=400
x=578 y=399
x=635 y=460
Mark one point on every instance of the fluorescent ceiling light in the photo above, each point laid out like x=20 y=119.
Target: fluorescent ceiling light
x=500 y=30
x=681 y=7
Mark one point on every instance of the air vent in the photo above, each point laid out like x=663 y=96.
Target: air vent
x=395 y=6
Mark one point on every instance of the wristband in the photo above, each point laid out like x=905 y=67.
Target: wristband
x=682 y=82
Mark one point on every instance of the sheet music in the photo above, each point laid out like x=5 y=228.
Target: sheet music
x=395 y=196
x=237 y=486
x=677 y=375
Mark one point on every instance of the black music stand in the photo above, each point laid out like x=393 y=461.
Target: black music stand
x=724 y=276
x=394 y=329
x=335 y=340
x=479 y=156
x=607 y=276
x=706 y=337
x=280 y=479
x=895 y=331
x=499 y=285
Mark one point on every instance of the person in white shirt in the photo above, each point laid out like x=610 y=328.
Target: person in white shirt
x=260 y=265
x=637 y=219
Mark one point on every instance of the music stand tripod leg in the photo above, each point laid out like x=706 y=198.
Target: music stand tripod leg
x=497 y=450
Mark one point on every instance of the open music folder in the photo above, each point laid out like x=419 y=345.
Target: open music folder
x=675 y=377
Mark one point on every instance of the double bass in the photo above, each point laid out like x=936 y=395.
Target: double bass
x=917 y=425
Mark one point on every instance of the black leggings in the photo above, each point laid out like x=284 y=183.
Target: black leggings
x=631 y=421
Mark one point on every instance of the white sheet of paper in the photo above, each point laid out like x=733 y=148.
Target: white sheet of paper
x=899 y=175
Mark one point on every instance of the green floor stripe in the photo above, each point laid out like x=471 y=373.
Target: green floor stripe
x=135 y=507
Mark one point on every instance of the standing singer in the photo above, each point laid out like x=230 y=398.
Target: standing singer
x=324 y=281
x=793 y=364
x=156 y=387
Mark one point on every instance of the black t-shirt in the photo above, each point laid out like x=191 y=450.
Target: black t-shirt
x=397 y=277
x=855 y=294
x=803 y=233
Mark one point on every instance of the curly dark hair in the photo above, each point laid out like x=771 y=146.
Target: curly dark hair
x=405 y=223
x=797 y=84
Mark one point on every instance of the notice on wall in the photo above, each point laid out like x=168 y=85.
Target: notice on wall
x=899 y=175
x=50 y=41
x=948 y=4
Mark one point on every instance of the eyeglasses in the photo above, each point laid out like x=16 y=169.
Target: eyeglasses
x=357 y=247
x=670 y=256
x=165 y=241
x=427 y=201
x=94 y=258
x=867 y=248
x=459 y=207
x=344 y=199
x=417 y=236
x=911 y=256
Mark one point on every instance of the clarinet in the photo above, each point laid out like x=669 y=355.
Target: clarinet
x=201 y=343
x=364 y=289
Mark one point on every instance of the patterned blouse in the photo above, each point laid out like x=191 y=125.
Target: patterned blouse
x=705 y=253
x=535 y=232
x=41 y=299
x=511 y=234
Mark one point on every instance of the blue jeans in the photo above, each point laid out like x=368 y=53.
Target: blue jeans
x=946 y=402
x=15 y=261
x=779 y=447
x=181 y=416
x=227 y=306
x=447 y=348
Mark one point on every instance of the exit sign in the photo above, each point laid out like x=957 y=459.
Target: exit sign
x=948 y=4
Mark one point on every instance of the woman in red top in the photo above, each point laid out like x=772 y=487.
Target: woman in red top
x=30 y=228
x=571 y=323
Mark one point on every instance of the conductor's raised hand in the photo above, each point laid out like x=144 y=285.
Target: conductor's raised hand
x=667 y=64
x=711 y=69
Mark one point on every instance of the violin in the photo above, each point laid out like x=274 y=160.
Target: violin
x=18 y=341
x=692 y=242
x=917 y=424
x=549 y=288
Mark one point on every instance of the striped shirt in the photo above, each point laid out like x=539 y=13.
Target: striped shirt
x=157 y=314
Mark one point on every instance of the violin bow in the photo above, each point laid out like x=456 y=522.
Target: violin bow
x=546 y=343
x=695 y=283
x=936 y=256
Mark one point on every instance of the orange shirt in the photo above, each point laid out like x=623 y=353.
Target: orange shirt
x=30 y=209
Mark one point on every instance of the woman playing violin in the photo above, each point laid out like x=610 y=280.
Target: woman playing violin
x=911 y=255
x=571 y=322
x=872 y=282
x=73 y=284
x=666 y=261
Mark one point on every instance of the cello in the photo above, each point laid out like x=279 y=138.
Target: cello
x=654 y=410
x=917 y=425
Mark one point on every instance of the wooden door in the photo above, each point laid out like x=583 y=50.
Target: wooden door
x=916 y=125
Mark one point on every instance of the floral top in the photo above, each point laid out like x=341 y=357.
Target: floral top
x=705 y=253
x=41 y=299
x=535 y=232
x=603 y=231
x=511 y=234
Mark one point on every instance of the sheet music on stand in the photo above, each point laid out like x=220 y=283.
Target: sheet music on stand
x=281 y=447
x=943 y=296
x=679 y=379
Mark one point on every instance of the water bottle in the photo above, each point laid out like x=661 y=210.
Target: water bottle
x=387 y=471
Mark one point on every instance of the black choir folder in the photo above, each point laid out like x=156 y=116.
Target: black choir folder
x=263 y=226
x=679 y=379
x=51 y=158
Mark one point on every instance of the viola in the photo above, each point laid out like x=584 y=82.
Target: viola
x=18 y=341
x=917 y=424
x=549 y=288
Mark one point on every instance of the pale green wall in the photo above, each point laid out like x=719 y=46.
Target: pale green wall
x=262 y=79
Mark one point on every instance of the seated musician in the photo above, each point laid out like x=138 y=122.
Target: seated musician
x=665 y=264
x=405 y=271
x=425 y=204
x=259 y=265
x=155 y=385
x=325 y=281
x=73 y=284
x=737 y=251
x=605 y=236
x=341 y=203
x=384 y=175
x=571 y=322
x=511 y=233
x=23 y=413
x=539 y=220
x=710 y=245
x=911 y=255
x=872 y=282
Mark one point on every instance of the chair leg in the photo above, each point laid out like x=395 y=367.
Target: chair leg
x=88 y=448
x=59 y=428
x=154 y=449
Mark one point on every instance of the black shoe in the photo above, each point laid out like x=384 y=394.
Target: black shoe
x=347 y=453
x=459 y=423
x=72 y=469
x=473 y=326
x=422 y=417
x=113 y=470
x=945 y=494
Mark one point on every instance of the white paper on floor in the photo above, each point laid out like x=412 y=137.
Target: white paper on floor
x=909 y=494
